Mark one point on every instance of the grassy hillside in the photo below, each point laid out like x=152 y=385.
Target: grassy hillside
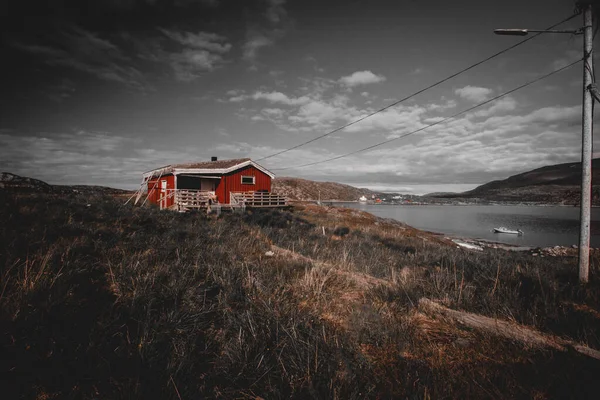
x=568 y=174
x=101 y=300
x=303 y=189
x=551 y=184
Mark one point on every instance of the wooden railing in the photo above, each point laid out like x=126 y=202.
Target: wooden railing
x=187 y=199
x=257 y=199
x=163 y=200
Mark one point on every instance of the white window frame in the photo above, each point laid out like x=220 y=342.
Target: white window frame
x=248 y=176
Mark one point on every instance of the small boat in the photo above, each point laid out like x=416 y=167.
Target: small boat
x=502 y=229
x=362 y=199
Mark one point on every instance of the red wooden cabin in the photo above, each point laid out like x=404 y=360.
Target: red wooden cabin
x=195 y=185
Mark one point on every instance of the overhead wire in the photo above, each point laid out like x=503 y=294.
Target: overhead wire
x=433 y=124
x=395 y=103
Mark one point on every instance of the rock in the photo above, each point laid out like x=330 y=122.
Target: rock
x=468 y=246
x=462 y=343
x=269 y=253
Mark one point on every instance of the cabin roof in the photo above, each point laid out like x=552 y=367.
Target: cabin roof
x=219 y=164
x=212 y=167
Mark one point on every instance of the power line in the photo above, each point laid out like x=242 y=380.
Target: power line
x=416 y=93
x=435 y=123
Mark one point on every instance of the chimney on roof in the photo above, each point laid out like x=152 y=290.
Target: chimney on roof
x=213 y=158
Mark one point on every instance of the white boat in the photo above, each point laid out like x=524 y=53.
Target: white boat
x=502 y=229
x=362 y=199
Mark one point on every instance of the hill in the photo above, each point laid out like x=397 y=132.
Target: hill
x=558 y=183
x=103 y=300
x=16 y=182
x=303 y=189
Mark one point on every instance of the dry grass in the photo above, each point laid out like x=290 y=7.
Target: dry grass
x=109 y=301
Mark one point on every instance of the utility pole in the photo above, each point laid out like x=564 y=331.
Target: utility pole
x=589 y=90
x=586 y=148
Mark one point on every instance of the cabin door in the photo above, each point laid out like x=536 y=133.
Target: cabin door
x=163 y=194
x=207 y=184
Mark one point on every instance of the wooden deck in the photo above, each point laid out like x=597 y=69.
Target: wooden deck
x=257 y=199
x=188 y=200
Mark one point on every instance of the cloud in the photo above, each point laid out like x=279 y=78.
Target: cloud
x=60 y=91
x=472 y=149
x=393 y=121
x=499 y=106
x=129 y=4
x=474 y=93
x=545 y=115
x=85 y=51
x=272 y=97
x=189 y=55
x=264 y=29
x=201 y=40
x=321 y=114
x=319 y=109
x=361 y=78
x=275 y=11
x=274 y=112
x=442 y=106
x=253 y=44
x=189 y=64
x=202 y=52
x=493 y=142
x=238 y=98
x=566 y=59
x=77 y=157
x=278 y=97
x=186 y=3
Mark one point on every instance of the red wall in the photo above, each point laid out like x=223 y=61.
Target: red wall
x=154 y=189
x=233 y=183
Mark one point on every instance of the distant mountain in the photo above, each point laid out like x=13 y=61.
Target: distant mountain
x=303 y=189
x=558 y=183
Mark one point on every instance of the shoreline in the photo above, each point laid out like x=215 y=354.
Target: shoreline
x=479 y=244
x=472 y=231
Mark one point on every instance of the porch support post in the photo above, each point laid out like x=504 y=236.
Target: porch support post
x=175 y=200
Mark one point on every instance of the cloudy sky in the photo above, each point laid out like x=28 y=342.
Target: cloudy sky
x=96 y=92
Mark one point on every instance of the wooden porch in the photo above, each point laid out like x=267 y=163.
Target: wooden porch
x=189 y=199
x=257 y=199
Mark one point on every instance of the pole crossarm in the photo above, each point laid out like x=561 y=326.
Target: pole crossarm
x=524 y=32
x=572 y=31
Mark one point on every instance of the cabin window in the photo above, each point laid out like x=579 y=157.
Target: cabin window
x=248 y=180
